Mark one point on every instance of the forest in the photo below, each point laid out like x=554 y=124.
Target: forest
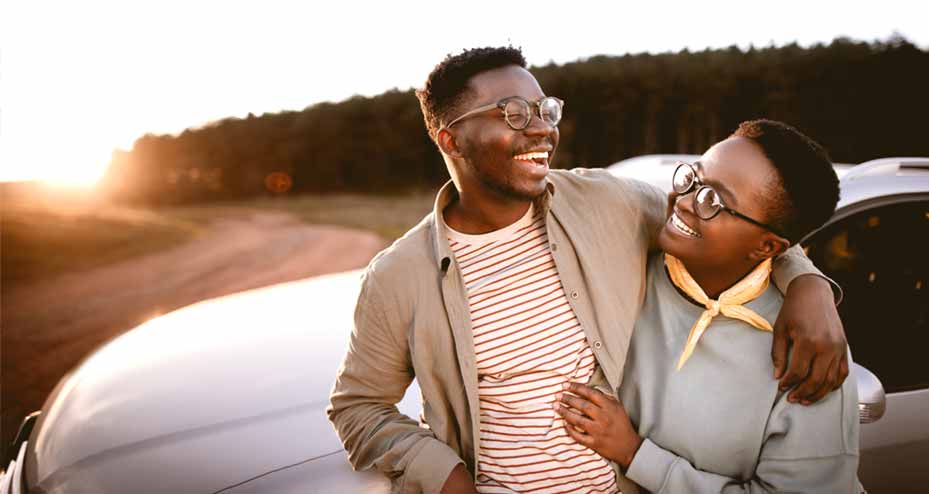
x=861 y=100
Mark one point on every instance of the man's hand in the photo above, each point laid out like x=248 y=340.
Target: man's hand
x=599 y=422
x=459 y=482
x=809 y=323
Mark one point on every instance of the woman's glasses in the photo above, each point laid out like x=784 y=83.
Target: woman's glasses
x=707 y=201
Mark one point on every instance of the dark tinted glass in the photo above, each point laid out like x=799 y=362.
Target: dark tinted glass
x=879 y=257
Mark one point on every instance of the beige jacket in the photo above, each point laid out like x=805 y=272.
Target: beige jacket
x=412 y=320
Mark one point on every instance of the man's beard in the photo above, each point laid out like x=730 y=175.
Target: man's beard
x=505 y=189
x=505 y=185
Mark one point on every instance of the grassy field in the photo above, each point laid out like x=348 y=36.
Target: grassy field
x=39 y=244
x=388 y=216
x=42 y=236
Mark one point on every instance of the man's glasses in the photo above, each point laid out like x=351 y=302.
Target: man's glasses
x=517 y=112
x=707 y=201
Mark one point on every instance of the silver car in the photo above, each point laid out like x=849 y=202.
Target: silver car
x=228 y=395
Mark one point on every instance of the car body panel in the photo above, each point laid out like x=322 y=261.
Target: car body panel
x=657 y=169
x=197 y=384
x=897 y=441
x=329 y=474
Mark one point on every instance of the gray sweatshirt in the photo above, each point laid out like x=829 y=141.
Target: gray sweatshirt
x=720 y=424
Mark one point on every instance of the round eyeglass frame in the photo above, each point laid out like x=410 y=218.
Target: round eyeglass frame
x=527 y=106
x=717 y=205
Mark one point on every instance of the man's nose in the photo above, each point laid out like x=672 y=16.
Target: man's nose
x=539 y=127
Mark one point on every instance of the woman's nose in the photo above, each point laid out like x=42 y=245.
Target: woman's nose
x=685 y=201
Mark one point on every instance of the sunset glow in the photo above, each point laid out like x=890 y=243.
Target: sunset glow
x=80 y=79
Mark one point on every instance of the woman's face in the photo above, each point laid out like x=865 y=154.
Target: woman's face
x=742 y=176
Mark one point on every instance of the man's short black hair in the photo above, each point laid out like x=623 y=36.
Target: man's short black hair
x=447 y=84
x=809 y=188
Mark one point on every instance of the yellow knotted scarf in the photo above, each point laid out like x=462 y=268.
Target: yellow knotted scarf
x=729 y=303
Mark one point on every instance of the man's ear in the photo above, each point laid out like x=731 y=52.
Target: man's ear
x=770 y=245
x=447 y=143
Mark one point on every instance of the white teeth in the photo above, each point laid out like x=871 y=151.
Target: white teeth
x=680 y=225
x=531 y=156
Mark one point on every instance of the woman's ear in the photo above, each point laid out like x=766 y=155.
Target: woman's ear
x=770 y=245
x=447 y=143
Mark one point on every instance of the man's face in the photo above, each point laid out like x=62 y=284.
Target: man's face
x=738 y=170
x=496 y=159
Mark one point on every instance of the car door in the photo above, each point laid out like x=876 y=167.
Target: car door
x=878 y=252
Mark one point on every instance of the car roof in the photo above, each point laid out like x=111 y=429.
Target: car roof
x=897 y=176
x=656 y=168
x=867 y=181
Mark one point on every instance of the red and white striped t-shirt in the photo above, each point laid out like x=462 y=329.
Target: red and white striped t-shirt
x=528 y=342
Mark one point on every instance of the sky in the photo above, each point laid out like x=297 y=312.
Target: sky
x=79 y=79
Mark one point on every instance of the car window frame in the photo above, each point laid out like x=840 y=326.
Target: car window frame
x=865 y=205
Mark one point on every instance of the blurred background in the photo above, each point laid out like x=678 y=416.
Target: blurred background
x=155 y=154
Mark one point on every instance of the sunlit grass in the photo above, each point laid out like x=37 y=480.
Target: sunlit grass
x=387 y=216
x=39 y=243
x=43 y=236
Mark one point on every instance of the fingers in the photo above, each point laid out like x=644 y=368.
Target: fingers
x=843 y=371
x=815 y=379
x=831 y=376
x=574 y=418
x=580 y=404
x=779 y=348
x=580 y=437
x=590 y=394
x=801 y=359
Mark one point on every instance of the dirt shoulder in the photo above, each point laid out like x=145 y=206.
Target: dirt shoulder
x=49 y=326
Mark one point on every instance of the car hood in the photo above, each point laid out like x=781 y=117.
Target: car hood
x=242 y=380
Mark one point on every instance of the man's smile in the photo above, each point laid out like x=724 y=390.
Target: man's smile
x=537 y=157
x=535 y=161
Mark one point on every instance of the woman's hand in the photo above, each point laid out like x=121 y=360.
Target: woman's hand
x=599 y=422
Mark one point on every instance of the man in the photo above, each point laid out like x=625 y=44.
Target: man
x=521 y=279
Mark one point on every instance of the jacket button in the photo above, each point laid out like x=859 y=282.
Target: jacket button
x=597 y=344
x=574 y=294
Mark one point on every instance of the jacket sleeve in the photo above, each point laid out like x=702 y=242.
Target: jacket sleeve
x=651 y=203
x=808 y=449
x=375 y=373
x=793 y=263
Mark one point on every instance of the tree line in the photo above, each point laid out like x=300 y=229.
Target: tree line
x=861 y=100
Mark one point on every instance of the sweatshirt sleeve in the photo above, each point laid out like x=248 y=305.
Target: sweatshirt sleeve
x=375 y=373
x=807 y=449
x=661 y=471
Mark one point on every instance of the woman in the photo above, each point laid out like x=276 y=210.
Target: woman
x=699 y=409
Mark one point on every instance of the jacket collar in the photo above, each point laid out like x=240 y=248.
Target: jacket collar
x=447 y=194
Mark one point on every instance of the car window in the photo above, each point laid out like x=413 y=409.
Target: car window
x=879 y=258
